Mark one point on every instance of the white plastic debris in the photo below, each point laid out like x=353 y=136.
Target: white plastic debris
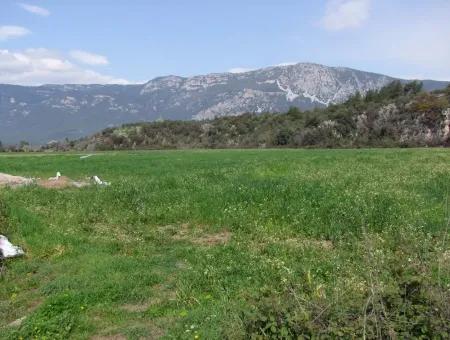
x=99 y=181
x=7 y=249
x=58 y=175
x=86 y=156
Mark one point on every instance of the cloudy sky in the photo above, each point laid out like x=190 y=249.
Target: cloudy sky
x=129 y=41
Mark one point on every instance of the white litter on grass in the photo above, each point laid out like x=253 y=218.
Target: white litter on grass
x=58 y=175
x=86 y=156
x=7 y=249
x=99 y=181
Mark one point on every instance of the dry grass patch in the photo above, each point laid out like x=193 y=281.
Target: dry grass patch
x=138 y=307
x=120 y=233
x=293 y=243
x=182 y=265
x=164 y=293
x=198 y=236
x=17 y=322
x=26 y=311
x=109 y=337
x=212 y=239
x=308 y=242
x=150 y=329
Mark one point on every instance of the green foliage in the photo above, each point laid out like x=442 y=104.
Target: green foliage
x=56 y=319
x=283 y=138
x=427 y=103
x=312 y=121
x=413 y=88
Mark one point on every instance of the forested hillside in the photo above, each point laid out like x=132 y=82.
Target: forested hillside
x=396 y=115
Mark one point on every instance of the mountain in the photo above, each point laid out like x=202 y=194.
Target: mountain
x=397 y=115
x=54 y=112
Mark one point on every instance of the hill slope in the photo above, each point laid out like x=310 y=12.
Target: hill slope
x=39 y=114
x=396 y=115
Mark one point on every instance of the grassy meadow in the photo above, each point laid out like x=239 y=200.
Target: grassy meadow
x=232 y=244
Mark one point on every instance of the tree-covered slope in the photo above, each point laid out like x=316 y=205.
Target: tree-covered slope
x=396 y=115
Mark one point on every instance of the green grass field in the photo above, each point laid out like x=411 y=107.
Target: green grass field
x=229 y=244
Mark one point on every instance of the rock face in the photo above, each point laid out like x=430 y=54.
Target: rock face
x=53 y=112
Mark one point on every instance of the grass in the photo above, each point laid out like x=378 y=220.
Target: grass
x=230 y=244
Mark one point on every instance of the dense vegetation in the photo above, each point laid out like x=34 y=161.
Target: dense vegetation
x=397 y=115
x=230 y=244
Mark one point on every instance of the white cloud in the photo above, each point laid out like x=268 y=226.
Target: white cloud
x=8 y=32
x=240 y=70
x=89 y=58
x=342 y=14
x=35 y=9
x=42 y=66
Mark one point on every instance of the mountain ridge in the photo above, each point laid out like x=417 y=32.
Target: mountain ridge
x=42 y=113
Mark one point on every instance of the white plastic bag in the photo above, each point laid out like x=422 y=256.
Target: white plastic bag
x=7 y=249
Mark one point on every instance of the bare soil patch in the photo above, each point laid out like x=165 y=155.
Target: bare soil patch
x=60 y=183
x=14 y=181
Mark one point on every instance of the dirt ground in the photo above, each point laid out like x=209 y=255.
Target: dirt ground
x=60 y=183
x=9 y=180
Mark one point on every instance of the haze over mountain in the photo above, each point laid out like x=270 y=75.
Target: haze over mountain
x=43 y=113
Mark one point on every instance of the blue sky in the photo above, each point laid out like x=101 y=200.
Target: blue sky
x=118 y=41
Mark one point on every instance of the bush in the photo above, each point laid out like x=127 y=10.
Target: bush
x=283 y=137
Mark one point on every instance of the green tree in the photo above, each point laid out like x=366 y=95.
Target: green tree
x=294 y=112
x=392 y=90
x=413 y=87
x=24 y=146
x=283 y=137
